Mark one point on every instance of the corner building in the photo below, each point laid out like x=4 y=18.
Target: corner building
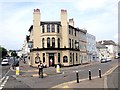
x=56 y=41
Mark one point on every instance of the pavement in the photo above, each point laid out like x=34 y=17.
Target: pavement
x=96 y=82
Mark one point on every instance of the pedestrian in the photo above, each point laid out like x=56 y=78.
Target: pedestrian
x=40 y=66
x=51 y=62
x=24 y=60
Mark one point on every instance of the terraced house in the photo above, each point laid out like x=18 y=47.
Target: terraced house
x=55 y=42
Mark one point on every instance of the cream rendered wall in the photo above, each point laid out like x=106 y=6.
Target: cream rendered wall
x=64 y=24
x=36 y=29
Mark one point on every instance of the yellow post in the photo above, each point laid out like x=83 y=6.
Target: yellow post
x=17 y=70
x=58 y=69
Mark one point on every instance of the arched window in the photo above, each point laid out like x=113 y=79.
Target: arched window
x=48 y=28
x=43 y=42
x=53 y=42
x=65 y=59
x=58 y=42
x=48 y=42
x=53 y=28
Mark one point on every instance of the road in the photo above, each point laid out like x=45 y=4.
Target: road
x=68 y=74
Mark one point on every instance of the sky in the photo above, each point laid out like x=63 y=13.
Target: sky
x=98 y=17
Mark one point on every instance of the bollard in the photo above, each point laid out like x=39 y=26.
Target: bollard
x=100 y=73
x=89 y=75
x=17 y=70
x=58 y=69
x=77 y=76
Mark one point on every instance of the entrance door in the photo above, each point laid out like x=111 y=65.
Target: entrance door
x=51 y=59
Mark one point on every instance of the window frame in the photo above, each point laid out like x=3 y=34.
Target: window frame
x=48 y=27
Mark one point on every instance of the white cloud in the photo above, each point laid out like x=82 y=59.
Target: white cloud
x=86 y=5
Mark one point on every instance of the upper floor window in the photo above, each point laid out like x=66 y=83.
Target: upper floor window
x=69 y=31
x=58 y=42
x=72 y=43
x=53 y=42
x=69 y=43
x=43 y=42
x=53 y=28
x=58 y=28
x=48 y=28
x=72 y=31
x=43 y=29
x=75 y=32
x=48 y=42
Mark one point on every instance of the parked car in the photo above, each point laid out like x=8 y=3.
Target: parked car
x=103 y=60
x=108 y=59
x=5 y=62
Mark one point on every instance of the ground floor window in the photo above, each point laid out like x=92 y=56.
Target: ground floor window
x=58 y=57
x=70 y=57
x=65 y=59
x=43 y=57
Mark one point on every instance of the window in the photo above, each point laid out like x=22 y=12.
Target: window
x=73 y=58
x=48 y=28
x=43 y=57
x=69 y=43
x=69 y=30
x=53 y=42
x=43 y=42
x=75 y=44
x=72 y=43
x=58 y=28
x=48 y=42
x=70 y=57
x=75 y=32
x=72 y=31
x=43 y=29
x=53 y=28
x=58 y=42
x=58 y=57
x=65 y=59
x=76 y=57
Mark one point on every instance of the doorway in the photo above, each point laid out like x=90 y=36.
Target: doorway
x=51 y=59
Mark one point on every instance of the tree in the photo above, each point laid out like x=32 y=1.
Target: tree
x=3 y=52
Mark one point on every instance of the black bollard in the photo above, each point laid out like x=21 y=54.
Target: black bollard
x=77 y=76
x=100 y=73
x=89 y=75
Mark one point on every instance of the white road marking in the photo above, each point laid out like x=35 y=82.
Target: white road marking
x=4 y=76
x=3 y=84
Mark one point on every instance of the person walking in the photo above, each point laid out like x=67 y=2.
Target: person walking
x=40 y=66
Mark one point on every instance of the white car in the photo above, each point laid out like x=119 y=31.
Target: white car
x=103 y=60
x=108 y=59
x=5 y=62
